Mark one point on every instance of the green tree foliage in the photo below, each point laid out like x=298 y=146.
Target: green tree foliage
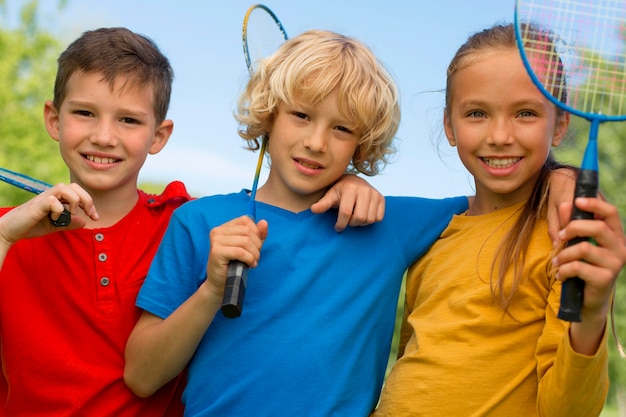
x=27 y=71
x=612 y=172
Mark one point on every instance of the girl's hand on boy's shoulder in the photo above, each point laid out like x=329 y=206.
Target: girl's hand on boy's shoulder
x=562 y=185
x=357 y=202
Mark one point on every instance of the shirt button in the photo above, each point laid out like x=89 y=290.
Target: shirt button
x=99 y=237
x=102 y=257
x=104 y=281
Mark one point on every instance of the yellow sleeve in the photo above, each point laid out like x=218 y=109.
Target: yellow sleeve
x=570 y=384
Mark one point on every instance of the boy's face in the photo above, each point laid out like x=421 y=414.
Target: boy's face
x=105 y=135
x=310 y=148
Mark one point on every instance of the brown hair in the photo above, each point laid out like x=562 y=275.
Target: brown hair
x=113 y=52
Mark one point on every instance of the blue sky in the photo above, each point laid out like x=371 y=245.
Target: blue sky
x=202 y=39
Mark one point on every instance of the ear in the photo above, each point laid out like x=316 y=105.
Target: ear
x=51 y=120
x=447 y=127
x=161 y=136
x=560 y=130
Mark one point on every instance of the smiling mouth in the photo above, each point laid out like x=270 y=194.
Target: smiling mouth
x=500 y=162
x=100 y=160
x=308 y=164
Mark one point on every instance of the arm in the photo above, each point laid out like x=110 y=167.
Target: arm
x=159 y=349
x=573 y=358
x=358 y=203
x=31 y=218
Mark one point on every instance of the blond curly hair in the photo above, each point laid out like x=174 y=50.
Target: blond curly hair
x=309 y=67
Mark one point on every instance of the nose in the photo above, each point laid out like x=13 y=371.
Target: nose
x=500 y=132
x=104 y=133
x=315 y=140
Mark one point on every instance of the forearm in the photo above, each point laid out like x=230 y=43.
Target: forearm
x=576 y=384
x=158 y=350
x=586 y=337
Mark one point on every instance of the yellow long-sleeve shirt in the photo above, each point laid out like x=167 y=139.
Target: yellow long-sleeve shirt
x=465 y=357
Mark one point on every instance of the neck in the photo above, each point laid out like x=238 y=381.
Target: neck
x=112 y=206
x=293 y=202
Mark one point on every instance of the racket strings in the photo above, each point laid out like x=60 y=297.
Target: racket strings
x=589 y=41
x=262 y=35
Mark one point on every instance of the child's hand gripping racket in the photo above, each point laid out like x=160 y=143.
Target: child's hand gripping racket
x=574 y=52
x=262 y=34
x=36 y=187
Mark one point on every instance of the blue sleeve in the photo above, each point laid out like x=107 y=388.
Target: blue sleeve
x=418 y=222
x=178 y=268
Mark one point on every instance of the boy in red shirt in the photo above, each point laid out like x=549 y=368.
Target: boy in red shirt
x=67 y=299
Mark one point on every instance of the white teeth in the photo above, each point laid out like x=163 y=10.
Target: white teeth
x=99 y=160
x=500 y=163
x=304 y=164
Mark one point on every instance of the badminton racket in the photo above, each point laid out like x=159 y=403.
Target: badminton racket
x=36 y=187
x=575 y=54
x=262 y=34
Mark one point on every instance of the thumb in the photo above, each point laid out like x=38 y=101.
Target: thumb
x=263 y=227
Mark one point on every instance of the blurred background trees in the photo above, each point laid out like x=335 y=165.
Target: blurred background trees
x=27 y=71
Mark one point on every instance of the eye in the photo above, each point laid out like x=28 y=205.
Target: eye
x=526 y=113
x=344 y=129
x=129 y=120
x=84 y=113
x=476 y=114
x=300 y=115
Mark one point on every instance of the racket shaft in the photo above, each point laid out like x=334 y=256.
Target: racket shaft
x=235 y=290
x=574 y=288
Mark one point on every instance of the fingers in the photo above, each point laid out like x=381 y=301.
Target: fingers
x=357 y=203
x=596 y=252
x=239 y=239
x=608 y=232
x=331 y=199
x=74 y=197
x=31 y=219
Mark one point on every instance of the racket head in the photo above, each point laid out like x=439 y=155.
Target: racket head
x=575 y=53
x=24 y=182
x=262 y=34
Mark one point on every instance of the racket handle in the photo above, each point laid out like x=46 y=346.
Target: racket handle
x=64 y=219
x=573 y=288
x=236 y=281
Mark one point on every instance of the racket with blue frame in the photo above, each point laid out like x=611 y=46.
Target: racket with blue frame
x=575 y=53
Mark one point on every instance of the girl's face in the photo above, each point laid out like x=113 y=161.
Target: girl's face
x=105 y=135
x=503 y=128
x=310 y=148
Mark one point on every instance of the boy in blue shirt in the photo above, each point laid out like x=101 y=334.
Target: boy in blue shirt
x=320 y=306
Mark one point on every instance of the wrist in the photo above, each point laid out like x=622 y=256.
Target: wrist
x=586 y=336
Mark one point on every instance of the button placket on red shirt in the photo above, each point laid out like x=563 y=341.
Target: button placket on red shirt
x=105 y=284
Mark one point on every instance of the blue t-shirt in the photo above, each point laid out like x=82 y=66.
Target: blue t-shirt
x=318 y=316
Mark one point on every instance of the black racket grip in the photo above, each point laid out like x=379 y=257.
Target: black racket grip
x=235 y=290
x=64 y=219
x=573 y=288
